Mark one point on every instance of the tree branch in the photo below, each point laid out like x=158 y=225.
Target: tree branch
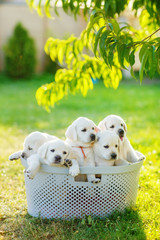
x=143 y=40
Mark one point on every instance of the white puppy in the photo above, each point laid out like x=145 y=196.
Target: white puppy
x=117 y=124
x=31 y=144
x=81 y=135
x=107 y=148
x=55 y=153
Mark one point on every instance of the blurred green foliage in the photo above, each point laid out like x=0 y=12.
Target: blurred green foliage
x=20 y=54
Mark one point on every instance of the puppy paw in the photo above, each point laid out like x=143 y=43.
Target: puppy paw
x=29 y=174
x=67 y=163
x=74 y=171
x=140 y=155
x=141 y=158
x=14 y=156
x=96 y=180
x=12 y=159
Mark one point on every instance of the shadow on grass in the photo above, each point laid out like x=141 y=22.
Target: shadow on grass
x=127 y=225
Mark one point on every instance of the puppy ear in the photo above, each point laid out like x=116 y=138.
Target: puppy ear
x=125 y=127
x=97 y=129
x=71 y=132
x=42 y=151
x=102 y=125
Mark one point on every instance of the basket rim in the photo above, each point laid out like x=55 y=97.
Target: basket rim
x=89 y=170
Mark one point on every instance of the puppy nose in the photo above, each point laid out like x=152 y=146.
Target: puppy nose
x=93 y=137
x=121 y=132
x=113 y=155
x=57 y=159
x=23 y=155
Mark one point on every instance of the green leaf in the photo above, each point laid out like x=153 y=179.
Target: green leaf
x=142 y=51
x=106 y=7
x=97 y=39
x=121 y=54
x=132 y=73
x=115 y=25
x=60 y=52
x=47 y=9
x=127 y=51
x=111 y=54
x=113 y=6
x=143 y=63
x=96 y=11
x=55 y=7
x=39 y=8
x=132 y=58
x=152 y=61
x=102 y=45
x=91 y=25
x=110 y=26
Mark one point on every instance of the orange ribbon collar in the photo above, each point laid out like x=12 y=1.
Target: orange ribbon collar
x=84 y=155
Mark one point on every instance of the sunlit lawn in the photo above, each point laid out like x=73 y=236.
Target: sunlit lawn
x=20 y=114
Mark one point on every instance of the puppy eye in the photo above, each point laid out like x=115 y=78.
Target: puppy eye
x=121 y=125
x=116 y=146
x=112 y=126
x=106 y=146
x=64 y=152
x=52 y=150
x=84 y=130
x=93 y=128
x=29 y=148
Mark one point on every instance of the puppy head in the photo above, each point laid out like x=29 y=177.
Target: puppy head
x=54 y=152
x=31 y=143
x=114 y=123
x=83 y=130
x=107 y=146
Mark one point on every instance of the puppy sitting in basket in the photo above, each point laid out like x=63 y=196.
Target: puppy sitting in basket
x=55 y=153
x=34 y=146
x=81 y=135
x=116 y=124
x=107 y=149
x=31 y=145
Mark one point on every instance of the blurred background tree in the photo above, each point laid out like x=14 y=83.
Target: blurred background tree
x=103 y=49
x=20 y=54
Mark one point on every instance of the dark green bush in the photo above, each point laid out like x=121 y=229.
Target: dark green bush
x=20 y=54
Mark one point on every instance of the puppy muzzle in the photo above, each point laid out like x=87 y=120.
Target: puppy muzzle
x=23 y=155
x=57 y=159
x=121 y=134
x=92 y=137
x=113 y=156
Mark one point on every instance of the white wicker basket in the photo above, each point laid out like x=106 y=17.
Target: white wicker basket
x=53 y=193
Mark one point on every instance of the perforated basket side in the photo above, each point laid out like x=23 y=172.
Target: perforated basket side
x=57 y=195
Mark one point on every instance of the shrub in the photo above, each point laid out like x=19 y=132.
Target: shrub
x=20 y=54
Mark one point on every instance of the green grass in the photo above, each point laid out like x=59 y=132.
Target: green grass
x=20 y=114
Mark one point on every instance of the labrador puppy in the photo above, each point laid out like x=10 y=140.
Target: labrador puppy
x=117 y=124
x=107 y=148
x=81 y=135
x=55 y=153
x=31 y=144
